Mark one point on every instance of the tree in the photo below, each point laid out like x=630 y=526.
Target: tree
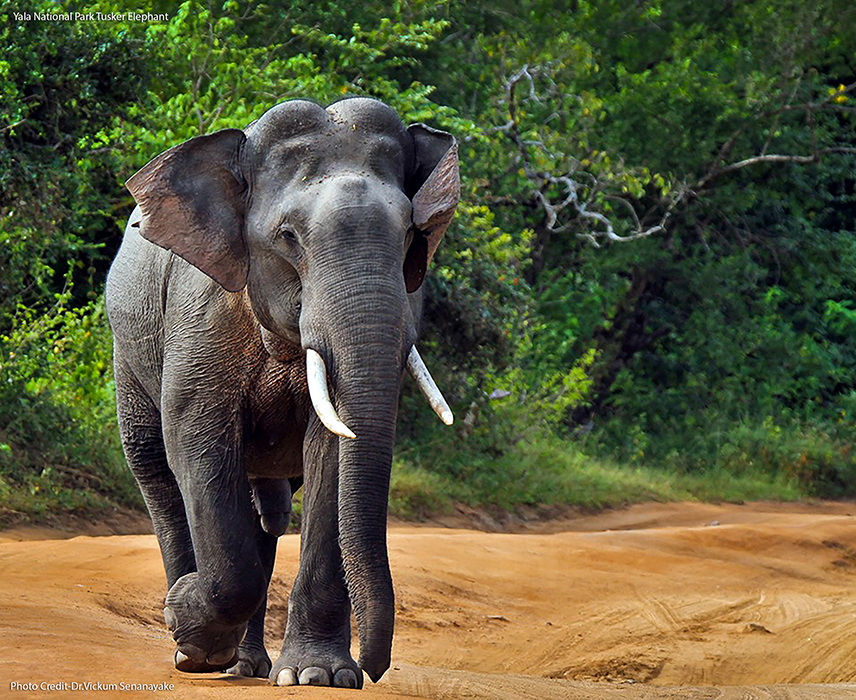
x=61 y=84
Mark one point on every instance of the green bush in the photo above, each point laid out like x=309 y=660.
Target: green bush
x=59 y=442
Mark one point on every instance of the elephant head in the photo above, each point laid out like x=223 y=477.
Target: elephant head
x=328 y=219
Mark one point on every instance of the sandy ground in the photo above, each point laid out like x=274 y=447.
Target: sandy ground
x=657 y=601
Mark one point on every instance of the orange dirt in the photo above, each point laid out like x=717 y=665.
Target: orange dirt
x=724 y=601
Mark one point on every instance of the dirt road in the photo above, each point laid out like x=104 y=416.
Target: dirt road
x=723 y=601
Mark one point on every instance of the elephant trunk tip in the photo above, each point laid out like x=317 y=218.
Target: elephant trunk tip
x=375 y=624
x=375 y=664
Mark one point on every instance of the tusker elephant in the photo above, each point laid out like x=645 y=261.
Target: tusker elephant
x=264 y=306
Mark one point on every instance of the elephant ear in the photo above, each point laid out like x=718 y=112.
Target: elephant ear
x=434 y=186
x=192 y=201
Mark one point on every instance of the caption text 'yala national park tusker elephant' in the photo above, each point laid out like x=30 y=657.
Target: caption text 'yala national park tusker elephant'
x=264 y=306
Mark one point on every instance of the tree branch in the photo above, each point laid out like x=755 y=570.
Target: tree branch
x=600 y=226
x=810 y=108
x=12 y=126
x=577 y=196
x=771 y=158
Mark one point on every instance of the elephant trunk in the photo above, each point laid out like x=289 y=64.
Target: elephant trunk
x=364 y=472
x=365 y=362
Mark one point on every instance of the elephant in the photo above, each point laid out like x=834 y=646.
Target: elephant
x=264 y=305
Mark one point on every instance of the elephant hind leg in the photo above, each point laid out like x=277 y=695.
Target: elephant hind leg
x=142 y=440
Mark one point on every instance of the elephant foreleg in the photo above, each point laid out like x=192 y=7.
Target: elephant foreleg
x=253 y=659
x=208 y=610
x=316 y=647
x=142 y=439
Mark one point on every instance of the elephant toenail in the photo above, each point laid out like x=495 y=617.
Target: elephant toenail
x=169 y=618
x=286 y=677
x=242 y=668
x=345 y=678
x=222 y=657
x=314 y=675
x=191 y=652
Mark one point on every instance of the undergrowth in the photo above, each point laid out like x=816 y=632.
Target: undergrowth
x=547 y=470
x=60 y=452
x=59 y=441
x=506 y=456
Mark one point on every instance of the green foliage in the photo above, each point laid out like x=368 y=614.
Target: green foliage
x=59 y=444
x=416 y=493
x=545 y=470
x=476 y=295
x=739 y=314
x=60 y=83
x=713 y=359
x=223 y=67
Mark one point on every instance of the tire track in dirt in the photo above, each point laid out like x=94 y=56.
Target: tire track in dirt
x=440 y=684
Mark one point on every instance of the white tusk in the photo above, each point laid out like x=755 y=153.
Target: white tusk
x=428 y=386
x=316 y=377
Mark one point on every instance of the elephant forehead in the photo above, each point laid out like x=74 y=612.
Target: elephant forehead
x=287 y=119
x=368 y=115
x=358 y=134
x=310 y=159
x=372 y=130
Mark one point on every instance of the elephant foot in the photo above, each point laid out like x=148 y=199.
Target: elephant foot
x=204 y=643
x=250 y=663
x=316 y=664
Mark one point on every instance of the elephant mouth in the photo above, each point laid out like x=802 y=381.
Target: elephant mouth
x=316 y=375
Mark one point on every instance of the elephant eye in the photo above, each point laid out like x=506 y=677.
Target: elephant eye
x=285 y=231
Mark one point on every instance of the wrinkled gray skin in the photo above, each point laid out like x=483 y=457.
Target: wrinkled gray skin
x=247 y=248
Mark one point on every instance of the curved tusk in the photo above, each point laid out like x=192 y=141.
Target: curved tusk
x=316 y=377
x=428 y=386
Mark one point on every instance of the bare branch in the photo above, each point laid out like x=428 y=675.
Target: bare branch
x=771 y=158
x=628 y=206
x=579 y=188
x=600 y=226
x=12 y=126
x=810 y=108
